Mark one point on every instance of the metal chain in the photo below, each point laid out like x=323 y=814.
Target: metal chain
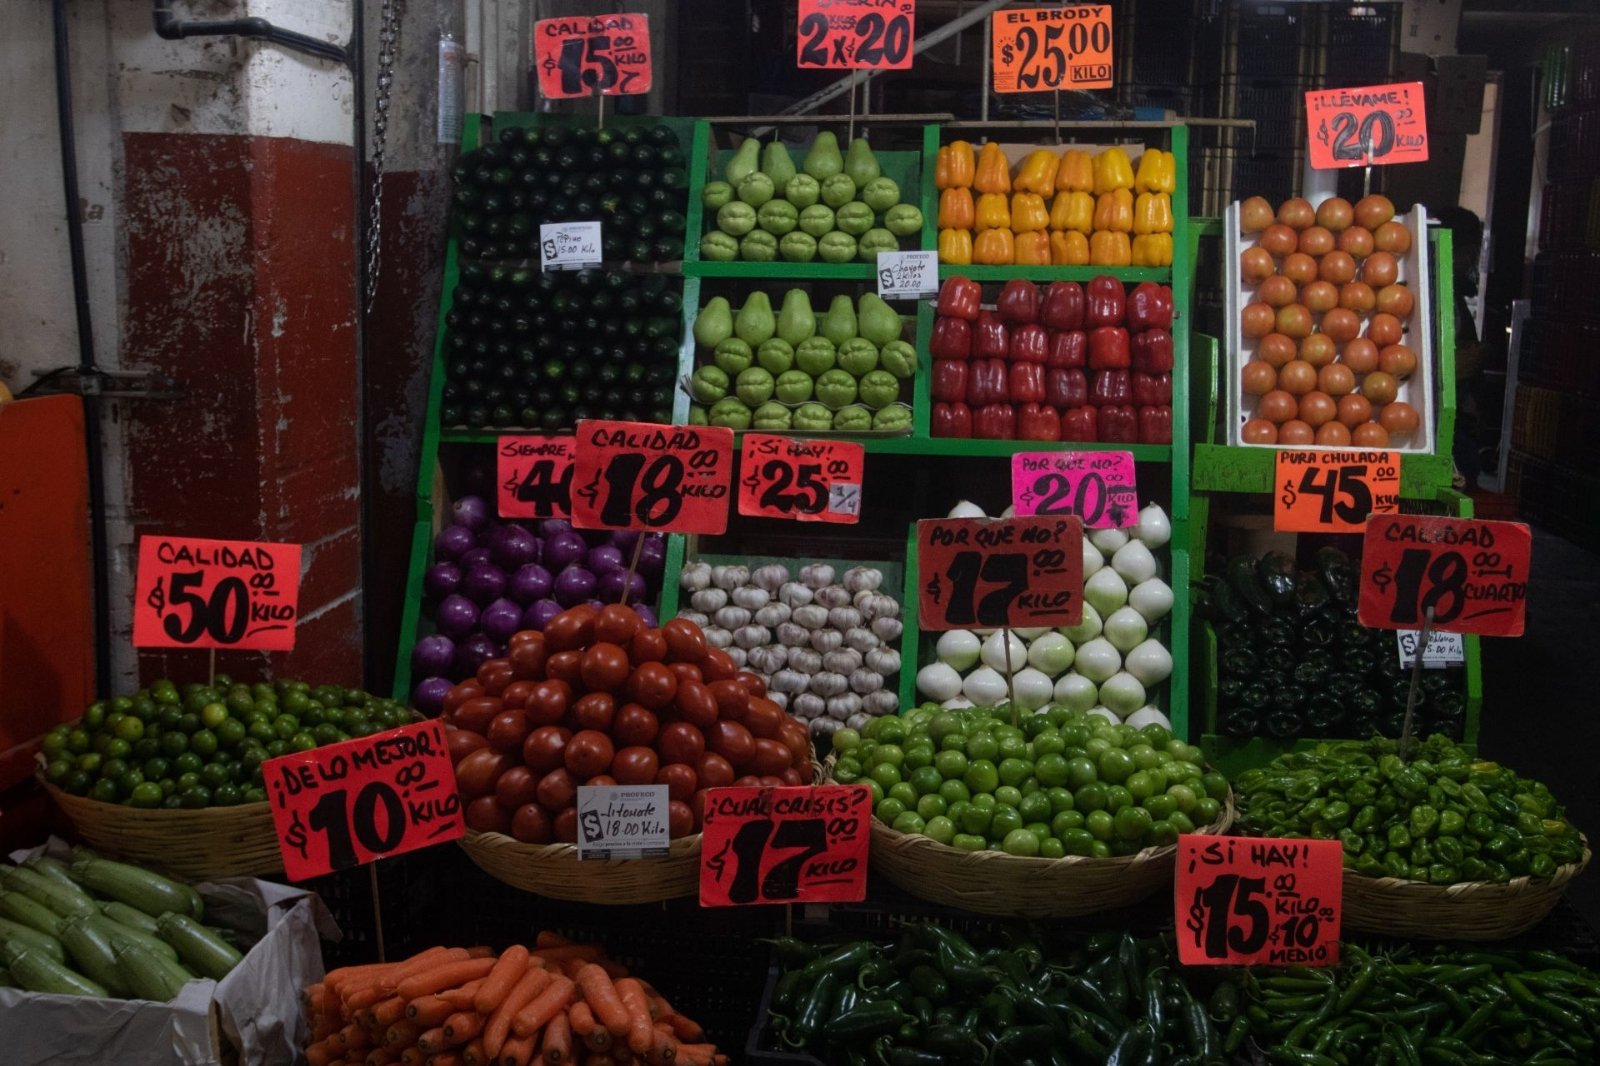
x=388 y=46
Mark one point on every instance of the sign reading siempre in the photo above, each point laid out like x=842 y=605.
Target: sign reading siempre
x=992 y=572
x=581 y=55
x=196 y=593
x=803 y=479
x=350 y=803
x=660 y=479
x=1333 y=492
x=908 y=275
x=1444 y=649
x=1039 y=49
x=622 y=821
x=569 y=245
x=785 y=845
x=856 y=34
x=1472 y=574
x=1360 y=127
x=1098 y=487
x=1258 y=901
x=533 y=477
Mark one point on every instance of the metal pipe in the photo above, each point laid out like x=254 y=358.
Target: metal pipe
x=369 y=492
x=171 y=28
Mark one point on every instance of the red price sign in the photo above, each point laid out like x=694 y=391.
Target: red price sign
x=1360 y=127
x=1040 y=49
x=534 y=475
x=992 y=572
x=857 y=34
x=1333 y=492
x=197 y=593
x=805 y=480
x=1473 y=575
x=582 y=55
x=1098 y=487
x=351 y=803
x=1258 y=901
x=661 y=479
x=785 y=845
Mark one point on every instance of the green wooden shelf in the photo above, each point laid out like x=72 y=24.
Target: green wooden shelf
x=963 y=447
x=1128 y=275
x=1250 y=468
x=778 y=270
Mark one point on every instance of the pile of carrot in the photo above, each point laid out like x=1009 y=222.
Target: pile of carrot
x=556 y=1003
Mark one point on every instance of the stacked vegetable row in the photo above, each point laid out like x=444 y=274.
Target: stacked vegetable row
x=1102 y=214
x=1060 y=362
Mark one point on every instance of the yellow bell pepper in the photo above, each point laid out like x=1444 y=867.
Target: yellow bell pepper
x=1114 y=211
x=994 y=173
x=956 y=210
x=1152 y=250
x=1076 y=172
x=1109 y=249
x=1028 y=212
x=994 y=247
x=1152 y=213
x=1072 y=210
x=1032 y=249
x=1069 y=248
x=994 y=212
x=955 y=246
x=1158 y=172
x=953 y=166
x=1037 y=173
x=1112 y=170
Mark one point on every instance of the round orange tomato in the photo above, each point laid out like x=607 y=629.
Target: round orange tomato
x=1258 y=431
x=1357 y=242
x=1354 y=409
x=1317 y=409
x=1384 y=330
x=1360 y=355
x=1335 y=379
x=1337 y=267
x=1357 y=296
x=1255 y=265
x=1279 y=239
x=1295 y=431
x=1277 y=291
x=1275 y=349
x=1333 y=435
x=1380 y=269
x=1369 y=435
x=1380 y=388
x=1258 y=378
x=1374 y=210
x=1277 y=407
x=1399 y=419
x=1315 y=241
x=1297 y=378
x=1335 y=213
x=1396 y=300
x=1318 y=349
x=1393 y=237
x=1320 y=296
x=1296 y=213
x=1397 y=359
x=1341 y=324
x=1255 y=214
x=1299 y=268
x=1257 y=320
x=1294 y=320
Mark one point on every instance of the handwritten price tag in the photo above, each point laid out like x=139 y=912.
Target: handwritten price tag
x=351 y=803
x=908 y=275
x=196 y=593
x=534 y=477
x=622 y=821
x=785 y=477
x=856 y=34
x=1333 y=492
x=1046 y=48
x=1444 y=649
x=569 y=245
x=638 y=475
x=1359 y=127
x=1472 y=574
x=1098 y=487
x=1258 y=901
x=785 y=845
x=605 y=53
x=992 y=572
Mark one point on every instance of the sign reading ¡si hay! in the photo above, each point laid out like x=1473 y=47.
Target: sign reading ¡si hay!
x=1263 y=901
x=856 y=34
x=1372 y=125
x=1040 y=49
x=580 y=55
x=191 y=592
x=804 y=480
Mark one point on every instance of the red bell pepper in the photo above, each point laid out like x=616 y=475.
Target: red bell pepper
x=1108 y=348
x=1025 y=383
x=991 y=339
x=1119 y=424
x=1149 y=307
x=1018 y=302
x=952 y=420
x=1151 y=351
x=1110 y=387
x=1080 y=424
x=1069 y=350
x=1151 y=389
x=1030 y=344
x=949 y=383
x=986 y=383
x=1038 y=422
x=1062 y=307
x=1065 y=388
x=995 y=421
x=1155 y=424
x=959 y=297
x=1105 y=302
x=952 y=338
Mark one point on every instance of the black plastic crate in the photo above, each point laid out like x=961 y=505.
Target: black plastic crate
x=1163 y=48
x=407 y=906
x=1275 y=176
x=1269 y=41
x=1278 y=109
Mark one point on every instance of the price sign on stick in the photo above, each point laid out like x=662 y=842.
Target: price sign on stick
x=856 y=34
x=622 y=821
x=992 y=572
x=908 y=275
x=348 y=804
x=533 y=476
x=569 y=245
x=1443 y=650
x=1361 y=127
x=1039 y=49
x=1333 y=492
x=1098 y=487
x=582 y=55
x=785 y=845
x=197 y=593
x=1472 y=574
x=660 y=479
x=1258 y=900
x=804 y=480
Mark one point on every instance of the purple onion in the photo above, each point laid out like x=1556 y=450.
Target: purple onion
x=536 y=616
x=612 y=585
x=484 y=584
x=501 y=619
x=473 y=557
x=624 y=540
x=451 y=541
x=432 y=655
x=428 y=696
x=529 y=583
x=563 y=549
x=551 y=526
x=441 y=580
x=652 y=558
x=456 y=616
x=573 y=586
x=473 y=653
x=472 y=512
x=605 y=558
x=511 y=547
x=596 y=603
x=646 y=615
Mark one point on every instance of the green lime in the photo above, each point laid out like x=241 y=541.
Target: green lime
x=231 y=733
x=931 y=806
x=262 y=730
x=148 y=748
x=1132 y=823
x=227 y=795
x=981 y=776
x=196 y=797
x=89 y=762
x=955 y=791
x=327 y=733
x=77 y=782
x=187 y=762
x=187 y=780
x=164 y=691
x=295 y=702
x=54 y=742
x=104 y=790
x=213 y=715
x=1035 y=808
x=926 y=780
x=1014 y=771
x=57 y=770
x=129 y=729
x=919 y=756
x=909 y=822
x=302 y=741
x=1008 y=795
x=969 y=842
x=1004 y=821
x=203 y=742
x=255 y=795
x=975 y=819
x=982 y=747
x=1020 y=842
x=905 y=792
x=94 y=715
x=174 y=743
x=146 y=794
x=157 y=768
x=1091 y=797
x=285 y=726
x=940 y=828
x=950 y=764
x=1051 y=848
x=1100 y=824
x=213 y=774
x=1064 y=821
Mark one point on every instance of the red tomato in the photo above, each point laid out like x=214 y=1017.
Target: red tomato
x=565 y=827
x=545 y=748
x=598 y=780
x=804 y=770
x=697 y=804
x=516 y=695
x=594 y=710
x=476 y=714
x=527 y=658
x=523 y=637
x=686 y=672
x=653 y=685
x=764 y=718
x=466 y=690
x=770 y=781
x=797 y=739
x=477 y=773
x=494 y=675
x=531 y=825
x=791 y=777
x=572 y=628
x=680 y=819
x=557 y=790
x=681 y=742
x=733 y=699
x=616 y=624
x=462 y=742
x=648 y=646
x=747 y=781
x=635 y=766
x=718 y=665
x=695 y=702
x=604 y=667
x=516 y=786
x=686 y=642
x=733 y=742
x=588 y=753
x=507 y=731
x=565 y=666
x=680 y=780
x=770 y=757
x=547 y=703
x=752 y=682
x=484 y=815
x=714 y=771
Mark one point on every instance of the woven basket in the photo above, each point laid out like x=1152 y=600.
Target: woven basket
x=1473 y=910
x=555 y=871
x=211 y=842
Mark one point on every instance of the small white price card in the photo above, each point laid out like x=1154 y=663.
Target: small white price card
x=622 y=821
x=1444 y=649
x=908 y=275
x=569 y=245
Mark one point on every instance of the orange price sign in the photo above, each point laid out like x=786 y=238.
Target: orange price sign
x=785 y=845
x=582 y=55
x=1040 y=49
x=653 y=478
x=804 y=480
x=1333 y=492
x=1258 y=900
x=1470 y=573
x=856 y=34
x=196 y=593
x=993 y=572
x=1361 y=127
x=533 y=477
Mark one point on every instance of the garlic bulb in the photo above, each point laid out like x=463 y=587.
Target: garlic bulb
x=736 y=653
x=771 y=577
x=789 y=681
x=885 y=661
x=809 y=704
x=826 y=640
x=841 y=707
x=772 y=615
x=767 y=660
x=816 y=575
x=794 y=594
x=694 y=577
x=886 y=628
x=708 y=600
x=880 y=702
x=857 y=721
x=751 y=598
x=694 y=616
x=877 y=605
x=858 y=578
x=811 y=616
x=780 y=698
x=863 y=680
x=862 y=640
x=804 y=660
x=729 y=577
x=826 y=683
x=844 y=618
x=732 y=617
x=841 y=661
x=793 y=636
x=823 y=728
x=718 y=637
x=833 y=596
x=748 y=637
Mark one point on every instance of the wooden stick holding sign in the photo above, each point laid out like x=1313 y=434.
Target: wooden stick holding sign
x=1406 y=737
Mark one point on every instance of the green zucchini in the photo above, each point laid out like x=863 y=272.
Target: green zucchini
x=131 y=917
x=54 y=869
x=68 y=901
x=138 y=888
x=23 y=909
x=91 y=953
x=30 y=937
x=202 y=950
x=37 y=972
x=113 y=929
x=147 y=973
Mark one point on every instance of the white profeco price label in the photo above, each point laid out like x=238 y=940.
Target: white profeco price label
x=569 y=245
x=908 y=275
x=1444 y=649
x=622 y=821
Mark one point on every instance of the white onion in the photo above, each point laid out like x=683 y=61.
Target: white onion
x=957 y=703
x=1092 y=559
x=1101 y=712
x=1031 y=689
x=966 y=509
x=1105 y=591
x=1030 y=633
x=1085 y=630
x=1152 y=598
x=938 y=681
x=1125 y=629
x=984 y=687
x=1134 y=562
x=1122 y=693
x=1098 y=660
x=1150 y=662
x=1002 y=646
x=959 y=648
x=1051 y=653
x=1153 y=529
x=1108 y=540
x=1149 y=716
x=1076 y=692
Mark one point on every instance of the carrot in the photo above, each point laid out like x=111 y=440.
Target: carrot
x=336 y=978
x=463 y=1026
x=534 y=981
x=696 y=1055
x=481 y=951
x=355 y=1036
x=663 y=1046
x=688 y=1030
x=432 y=1042
x=561 y=953
x=550 y=939
x=445 y=1058
x=412 y=1056
x=508 y=970
x=517 y=1052
x=403 y=1034
x=444 y=975
x=474 y=1054
x=556 y=1047
x=598 y=1058
x=365 y=996
x=428 y=1011
x=322 y=1052
x=461 y=998
x=543 y=1007
x=581 y=1019
x=382 y=1056
x=423 y=960
x=641 y=1030
x=600 y=1039
x=386 y=1012
x=602 y=997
